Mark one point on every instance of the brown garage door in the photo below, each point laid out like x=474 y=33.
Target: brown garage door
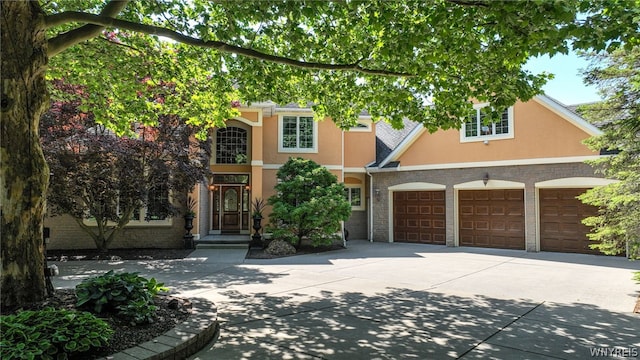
x=561 y=227
x=418 y=216
x=492 y=218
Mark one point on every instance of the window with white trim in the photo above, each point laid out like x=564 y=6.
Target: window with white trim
x=231 y=145
x=474 y=128
x=297 y=134
x=363 y=125
x=355 y=195
x=155 y=213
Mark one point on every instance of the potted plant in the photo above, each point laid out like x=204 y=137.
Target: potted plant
x=258 y=206
x=188 y=221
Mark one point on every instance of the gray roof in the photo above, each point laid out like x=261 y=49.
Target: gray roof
x=388 y=138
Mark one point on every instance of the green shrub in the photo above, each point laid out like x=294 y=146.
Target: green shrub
x=126 y=294
x=309 y=204
x=636 y=276
x=51 y=334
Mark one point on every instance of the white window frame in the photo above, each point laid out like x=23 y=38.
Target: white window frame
x=139 y=222
x=362 y=205
x=508 y=135
x=282 y=149
x=363 y=125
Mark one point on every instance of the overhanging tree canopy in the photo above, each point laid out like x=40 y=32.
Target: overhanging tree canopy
x=392 y=58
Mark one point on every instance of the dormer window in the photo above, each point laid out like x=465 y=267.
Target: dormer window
x=475 y=129
x=363 y=125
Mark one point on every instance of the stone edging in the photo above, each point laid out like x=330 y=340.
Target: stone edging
x=180 y=342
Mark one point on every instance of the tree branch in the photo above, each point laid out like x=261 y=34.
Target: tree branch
x=86 y=32
x=105 y=21
x=469 y=3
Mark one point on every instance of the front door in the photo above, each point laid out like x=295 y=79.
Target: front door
x=231 y=213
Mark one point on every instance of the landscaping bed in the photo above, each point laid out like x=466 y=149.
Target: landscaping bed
x=259 y=253
x=170 y=312
x=117 y=254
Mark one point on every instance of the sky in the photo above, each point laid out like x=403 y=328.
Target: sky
x=567 y=86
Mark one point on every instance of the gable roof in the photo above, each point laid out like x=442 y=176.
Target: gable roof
x=387 y=155
x=568 y=114
x=388 y=138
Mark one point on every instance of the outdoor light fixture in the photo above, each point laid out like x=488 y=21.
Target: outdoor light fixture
x=212 y=187
x=377 y=191
x=485 y=179
x=247 y=187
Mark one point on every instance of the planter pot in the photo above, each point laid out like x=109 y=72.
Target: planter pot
x=188 y=237
x=256 y=238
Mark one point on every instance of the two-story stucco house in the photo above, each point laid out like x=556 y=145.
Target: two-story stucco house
x=510 y=185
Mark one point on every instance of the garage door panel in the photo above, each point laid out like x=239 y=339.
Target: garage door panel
x=491 y=218
x=425 y=210
x=498 y=225
x=516 y=226
x=466 y=210
x=481 y=225
x=515 y=195
x=419 y=216
x=412 y=210
x=561 y=215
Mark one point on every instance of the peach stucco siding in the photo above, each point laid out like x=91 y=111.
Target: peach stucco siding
x=359 y=148
x=252 y=116
x=538 y=133
x=329 y=149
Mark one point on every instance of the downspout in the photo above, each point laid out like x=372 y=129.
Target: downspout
x=370 y=205
x=344 y=239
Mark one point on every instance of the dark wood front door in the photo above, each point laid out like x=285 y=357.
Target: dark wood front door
x=231 y=207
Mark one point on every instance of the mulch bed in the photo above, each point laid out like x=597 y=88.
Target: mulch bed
x=117 y=254
x=259 y=253
x=170 y=312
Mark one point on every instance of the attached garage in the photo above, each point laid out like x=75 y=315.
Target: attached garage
x=492 y=218
x=419 y=217
x=561 y=227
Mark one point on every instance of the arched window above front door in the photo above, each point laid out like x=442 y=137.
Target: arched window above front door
x=231 y=146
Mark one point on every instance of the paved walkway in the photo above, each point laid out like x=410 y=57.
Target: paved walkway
x=405 y=301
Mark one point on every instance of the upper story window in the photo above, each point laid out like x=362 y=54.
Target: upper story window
x=298 y=134
x=362 y=125
x=474 y=129
x=231 y=145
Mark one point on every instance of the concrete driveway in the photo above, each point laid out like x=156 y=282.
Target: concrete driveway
x=405 y=301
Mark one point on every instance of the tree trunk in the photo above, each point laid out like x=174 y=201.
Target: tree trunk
x=24 y=172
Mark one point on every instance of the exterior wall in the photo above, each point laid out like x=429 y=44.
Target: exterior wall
x=359 y=148
x=357 y=224
x=538 y=133
x=203 y=220
x=529 y=175
x=329 y=143
x=239 y=124
x=67 y=234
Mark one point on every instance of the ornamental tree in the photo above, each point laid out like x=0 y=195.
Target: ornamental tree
x=104 y=181
x=309 y=204
x=419 y=59
x=617 y=225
